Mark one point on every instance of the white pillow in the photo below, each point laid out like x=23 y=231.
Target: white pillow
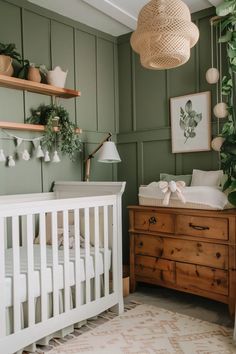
x=207 y=178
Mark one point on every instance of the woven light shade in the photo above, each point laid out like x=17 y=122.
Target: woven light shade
x=164 y=34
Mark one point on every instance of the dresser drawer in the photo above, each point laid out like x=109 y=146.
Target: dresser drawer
x=153 y=221
x=208 y=254
x=154 y=268
x=194 y=277
x=199 y=226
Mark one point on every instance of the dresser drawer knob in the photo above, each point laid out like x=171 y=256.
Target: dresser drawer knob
x=152 y=220
x=141 y=244
x=198 y=227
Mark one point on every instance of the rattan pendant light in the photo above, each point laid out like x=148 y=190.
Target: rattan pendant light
x=164 y=34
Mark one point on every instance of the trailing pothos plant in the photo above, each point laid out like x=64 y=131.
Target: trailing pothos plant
x=65 y=138
x=227 y=24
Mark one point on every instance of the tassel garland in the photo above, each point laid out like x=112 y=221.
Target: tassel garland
x=11 y=161
x=40 y=152
x=2 y=156
x=47 y=157
x=25 y=155
x=56 y=158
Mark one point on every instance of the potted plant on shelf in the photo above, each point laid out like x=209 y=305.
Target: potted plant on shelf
x=8 y=55
x=227 y=147
x=66 y=137
x=32 y=72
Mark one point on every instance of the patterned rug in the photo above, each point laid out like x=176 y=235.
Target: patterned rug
x=147 y=330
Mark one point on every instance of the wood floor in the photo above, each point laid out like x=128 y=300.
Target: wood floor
x=183 y=303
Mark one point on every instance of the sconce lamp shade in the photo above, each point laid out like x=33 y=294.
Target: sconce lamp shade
x=108 y=153
x=164 y=34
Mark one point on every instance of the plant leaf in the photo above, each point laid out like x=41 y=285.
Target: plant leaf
x=227 y=184
x=226 y=38
x=225 y=8
x=232 y=197
x=189 y=106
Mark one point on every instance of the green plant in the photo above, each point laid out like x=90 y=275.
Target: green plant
x=10 y=50
x=66 y=138
x=23 y=73
x=189 y=120
x=227 y=25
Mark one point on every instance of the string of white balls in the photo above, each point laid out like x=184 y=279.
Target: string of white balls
x=214 y=76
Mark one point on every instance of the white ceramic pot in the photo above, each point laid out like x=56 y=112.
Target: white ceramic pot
x=220 y=110
x=217 y=143
x=212 y=76
x=57 y=77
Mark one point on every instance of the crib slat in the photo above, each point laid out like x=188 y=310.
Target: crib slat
x=77 y=258
x=30 y=270
x=114 y=248
x=106 y=268
x=87 y=254
x=96 y=251
x=2 y=278
x=16 y=274
x=66 y=260
x=43 y=266
x=55 y=264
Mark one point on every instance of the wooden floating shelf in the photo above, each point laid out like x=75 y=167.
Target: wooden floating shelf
x=29 y=127
x=44 y=89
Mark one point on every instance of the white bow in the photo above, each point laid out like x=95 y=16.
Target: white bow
x=172 y=187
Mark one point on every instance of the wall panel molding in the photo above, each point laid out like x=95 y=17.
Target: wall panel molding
x=153 y=138
x=47 y=38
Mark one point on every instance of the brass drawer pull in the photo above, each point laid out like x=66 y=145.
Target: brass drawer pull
x=152 y=220
x=199 y=228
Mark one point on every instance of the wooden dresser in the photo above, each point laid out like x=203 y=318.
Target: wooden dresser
x=185 y=249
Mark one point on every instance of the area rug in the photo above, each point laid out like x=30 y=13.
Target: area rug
x=148 y=329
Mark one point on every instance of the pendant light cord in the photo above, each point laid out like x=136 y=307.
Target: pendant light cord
x=221 y=96
x=212 y=46
x=217 y=85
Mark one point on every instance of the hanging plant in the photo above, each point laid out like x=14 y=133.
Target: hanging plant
x=227 y=10
x=66 y=137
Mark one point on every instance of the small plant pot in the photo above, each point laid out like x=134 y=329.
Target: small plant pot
x=6 y=67
x=57 y=77
x=34 y=74
x=55 y=122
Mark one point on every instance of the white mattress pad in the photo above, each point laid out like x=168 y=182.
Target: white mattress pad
x=200 y=196
x=49 y=273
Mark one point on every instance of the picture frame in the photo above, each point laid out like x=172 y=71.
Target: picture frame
x=191 y=122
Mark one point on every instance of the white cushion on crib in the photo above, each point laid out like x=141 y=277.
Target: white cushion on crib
x=36 y=284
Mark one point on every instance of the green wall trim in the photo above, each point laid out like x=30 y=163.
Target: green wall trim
x=62 y=19
x=144 y=139
x=148 y=135
x=163 y=133
x=92 y=61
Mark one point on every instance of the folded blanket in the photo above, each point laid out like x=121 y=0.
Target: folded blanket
x=209 y=196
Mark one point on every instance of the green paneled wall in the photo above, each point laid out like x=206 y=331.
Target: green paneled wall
x=144 y=138
x=91 y=59
x=137 y=108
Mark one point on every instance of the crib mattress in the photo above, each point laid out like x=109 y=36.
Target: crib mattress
x=49 y=275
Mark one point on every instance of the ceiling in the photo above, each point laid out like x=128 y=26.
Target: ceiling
x=115 y=17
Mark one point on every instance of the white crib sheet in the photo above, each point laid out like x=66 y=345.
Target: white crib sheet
x=60 y=274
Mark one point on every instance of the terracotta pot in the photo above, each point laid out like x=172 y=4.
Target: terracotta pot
x=34 y=74
x=6 y=67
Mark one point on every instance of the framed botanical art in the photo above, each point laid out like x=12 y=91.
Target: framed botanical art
x=191 y=122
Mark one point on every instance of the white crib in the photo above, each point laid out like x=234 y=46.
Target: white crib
x=45 y=287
